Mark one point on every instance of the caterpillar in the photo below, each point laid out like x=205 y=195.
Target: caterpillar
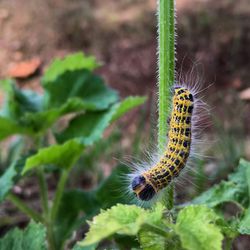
x=147 y=183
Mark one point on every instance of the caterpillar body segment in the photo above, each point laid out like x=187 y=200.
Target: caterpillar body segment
x=148 y=183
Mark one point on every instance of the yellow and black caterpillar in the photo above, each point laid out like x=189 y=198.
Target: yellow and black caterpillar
x=151 y=181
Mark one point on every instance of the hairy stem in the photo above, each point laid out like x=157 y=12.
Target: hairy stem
x=24 y=208
x=166 y=50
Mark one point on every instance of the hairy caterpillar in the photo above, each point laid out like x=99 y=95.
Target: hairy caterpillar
x=147 y=183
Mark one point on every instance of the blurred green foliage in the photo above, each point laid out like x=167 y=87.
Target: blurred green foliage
x=70 y=88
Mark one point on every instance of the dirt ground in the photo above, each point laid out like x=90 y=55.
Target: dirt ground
x=122 y=34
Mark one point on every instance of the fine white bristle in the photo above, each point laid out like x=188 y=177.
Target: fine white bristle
x=198 y=124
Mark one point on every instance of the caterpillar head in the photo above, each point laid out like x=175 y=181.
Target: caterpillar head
x=142 y=188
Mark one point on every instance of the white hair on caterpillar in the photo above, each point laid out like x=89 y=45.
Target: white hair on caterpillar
x=199 y=114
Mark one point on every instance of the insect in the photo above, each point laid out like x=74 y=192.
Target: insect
x=146 y=184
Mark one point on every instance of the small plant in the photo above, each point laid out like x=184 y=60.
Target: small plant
x=70 y=87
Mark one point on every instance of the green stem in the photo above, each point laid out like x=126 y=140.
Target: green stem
x=228 y=243
x=54 y=209
x=43 y=190
x=50 y=236
x=44 y=200
x=166 y=26
x=24 y=208
x=59 y=193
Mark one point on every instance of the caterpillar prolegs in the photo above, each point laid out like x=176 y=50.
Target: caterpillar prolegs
x=148 y=183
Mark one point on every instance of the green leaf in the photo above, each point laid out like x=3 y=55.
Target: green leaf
x=126 y=242
x=236 y=189
x=27 y=108
x=87 y=203
x=197 y=229
x=33 y=237
x=10 y=177
x=224 y=192
x=24 y=101
x=110 y=191
x=128 y=104
x=229 y=226
x=80 y=84
x=87 y=127
x=41 y=121
x=9 y=127
x=120 y=219
x=72 y=62
x=244 y=225
x=73 y=203
x=63 y=156
x=78 y=247
x=19 y=102
x=151 y=241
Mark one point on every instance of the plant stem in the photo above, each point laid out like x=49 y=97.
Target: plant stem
x=166 y=50
x=50 y=236
x=43 y=190
x=228 y=243
x=54 y=209
x=25 y=209
x=59 y=193
x=49 y=223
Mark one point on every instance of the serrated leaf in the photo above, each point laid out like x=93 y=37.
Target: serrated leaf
x=242 y=174
x=151 y=241
x=10 y=177
x=81 y=84
x=244 y=225
x=120 y=219
x=33 y=237
x=197 y=229
x=69 y=63
x=236 y=189
x=127 y=104
x=63 y=156
x=88 y=127
x=223 y=192
x=229 y=227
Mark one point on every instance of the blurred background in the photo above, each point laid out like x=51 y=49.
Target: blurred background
x=213 y=43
